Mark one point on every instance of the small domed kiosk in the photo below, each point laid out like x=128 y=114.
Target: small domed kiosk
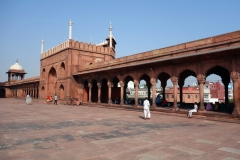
x=15 y=72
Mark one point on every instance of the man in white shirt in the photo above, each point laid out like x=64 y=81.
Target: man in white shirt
x=146 y=106
x=193 y=110
x=55 y=99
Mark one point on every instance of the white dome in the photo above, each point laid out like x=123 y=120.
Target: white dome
x=16 y=66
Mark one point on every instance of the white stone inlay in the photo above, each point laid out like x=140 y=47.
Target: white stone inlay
x=207 y=141
x=188 y=150
x=229 y=158
x=231 y=150
x=106 y=141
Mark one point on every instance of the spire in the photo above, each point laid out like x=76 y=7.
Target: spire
x=70 y=29
x=17 y=61
x=91 y=41
x=110 y=34
x=42 y=45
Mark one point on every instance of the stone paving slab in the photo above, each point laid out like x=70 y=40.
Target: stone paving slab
x=92 y=132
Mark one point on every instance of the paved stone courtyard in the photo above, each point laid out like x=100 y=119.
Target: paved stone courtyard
x=62 y=132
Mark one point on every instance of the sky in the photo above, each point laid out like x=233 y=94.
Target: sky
x=138 y=26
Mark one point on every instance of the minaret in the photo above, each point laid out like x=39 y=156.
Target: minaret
x=110 y=36
x=70 y=29
x=42 y=46
x=91 y=41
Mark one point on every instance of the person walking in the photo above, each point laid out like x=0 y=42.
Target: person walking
x=193 y=110
x=55 y=99
x=146 y=109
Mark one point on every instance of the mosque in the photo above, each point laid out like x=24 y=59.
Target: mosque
x=92 y=73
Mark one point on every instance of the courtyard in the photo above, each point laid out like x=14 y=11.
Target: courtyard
x=63 y=132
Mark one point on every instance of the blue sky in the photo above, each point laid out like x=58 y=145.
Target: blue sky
x=138 y=25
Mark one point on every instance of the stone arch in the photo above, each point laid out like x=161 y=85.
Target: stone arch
x=61 y=92
x=184 y=74
x=116 y=90
x=181 y=80
x=127 y=95
x=163 y=77
x=218 y=70
x=222 y=72
x=52 y=79
x=147 y=79
x=94 y=94
x=62 y=68
x=115 y=81
x=2 y=93
x=104 y=91
x=43 y=73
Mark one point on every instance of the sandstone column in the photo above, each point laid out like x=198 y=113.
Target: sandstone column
x=109 y=93
x=175 y=82
x=99 y=92
x=90 y=92
x=235 y=96
x=201 y=82
x=153 y=82
x=122 y=92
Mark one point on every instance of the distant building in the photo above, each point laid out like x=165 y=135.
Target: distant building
x=217 y=91
x=190 y=94
x=213 y=92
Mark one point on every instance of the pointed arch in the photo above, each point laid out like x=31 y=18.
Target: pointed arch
x=61 y=92
x=104 y=91
x=52 y=79
x=116 y=90
x=43 y=73
x=94 y=91
x=225 y=77
x=184 y=74
x=62 y=68
x=2 y=93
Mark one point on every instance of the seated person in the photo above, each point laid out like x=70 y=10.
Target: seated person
x=77 y=103
x=164 y=102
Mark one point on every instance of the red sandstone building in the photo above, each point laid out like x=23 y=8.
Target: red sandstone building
x=92 y=74
x=190 y=94
x=217 y=91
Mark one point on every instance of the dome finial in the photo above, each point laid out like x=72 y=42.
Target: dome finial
x=17 y=61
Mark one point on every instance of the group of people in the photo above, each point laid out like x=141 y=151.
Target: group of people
x=50 y=99
x=147 y=115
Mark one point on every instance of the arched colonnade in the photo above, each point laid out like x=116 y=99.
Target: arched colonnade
x=103 y=89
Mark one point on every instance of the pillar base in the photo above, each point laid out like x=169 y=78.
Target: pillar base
x=175 y=109
x=235 y=113
x=154 y=106
x=201 y=109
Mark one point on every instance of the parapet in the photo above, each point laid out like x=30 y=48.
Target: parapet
x=56 y=49
x=79 y=46
x=196 y=46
